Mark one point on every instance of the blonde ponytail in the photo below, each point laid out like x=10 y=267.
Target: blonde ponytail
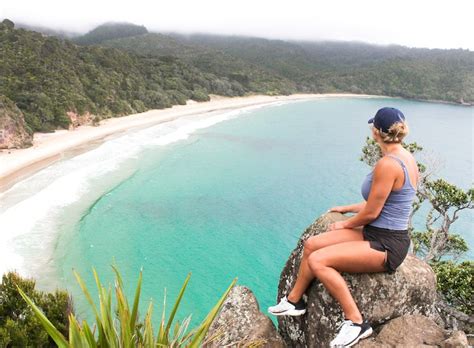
x=396 y=133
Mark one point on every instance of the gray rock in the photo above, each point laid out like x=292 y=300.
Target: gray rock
x=380 y=296
x=454 y=319
x=241 y=324
x=371 y=343
x=411 y=331
x=414 y=331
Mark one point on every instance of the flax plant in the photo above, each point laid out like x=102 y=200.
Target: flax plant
x=122 y=327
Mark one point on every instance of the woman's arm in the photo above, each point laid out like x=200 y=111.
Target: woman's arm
x=353 y=208
x=385 y=173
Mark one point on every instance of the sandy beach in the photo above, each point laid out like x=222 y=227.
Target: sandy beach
x=17 y=164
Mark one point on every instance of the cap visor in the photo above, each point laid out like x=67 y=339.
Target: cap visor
x=371 y=120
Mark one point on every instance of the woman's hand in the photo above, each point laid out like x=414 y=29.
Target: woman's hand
x=338 y=225
x=338 y=209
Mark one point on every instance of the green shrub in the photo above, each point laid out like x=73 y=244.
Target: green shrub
x=455 y=282
x=200 y=95
x=19 y=327
x=177 y=97
x=139 y=106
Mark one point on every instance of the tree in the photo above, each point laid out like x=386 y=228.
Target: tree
x=446 y=202
x=19 y=327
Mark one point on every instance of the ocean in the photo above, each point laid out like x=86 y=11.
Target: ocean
x=222 y=195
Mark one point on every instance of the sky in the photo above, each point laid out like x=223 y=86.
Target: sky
x=413 y=23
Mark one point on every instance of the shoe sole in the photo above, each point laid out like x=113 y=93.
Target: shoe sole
x=366 y=334
x=292 y=312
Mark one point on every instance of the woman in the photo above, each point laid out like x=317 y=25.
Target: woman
x=375 y=239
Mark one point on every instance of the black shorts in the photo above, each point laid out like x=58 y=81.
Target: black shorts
x=395 y=242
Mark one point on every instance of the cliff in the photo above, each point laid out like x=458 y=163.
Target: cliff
x=13 y=131
x=407 y=297
x=403 y=308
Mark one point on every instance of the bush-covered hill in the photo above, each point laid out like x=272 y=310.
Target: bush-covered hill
x=109 y=31
x=252 y=76
x=48 y=77
x=121 y=69
x=430 y=74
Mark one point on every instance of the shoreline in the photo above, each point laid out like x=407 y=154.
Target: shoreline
x=48 y=148
x=437 y=101
x=30 y=244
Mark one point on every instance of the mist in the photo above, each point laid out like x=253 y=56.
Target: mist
x=414 y=24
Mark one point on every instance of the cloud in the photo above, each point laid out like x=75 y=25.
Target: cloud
x=421 y=23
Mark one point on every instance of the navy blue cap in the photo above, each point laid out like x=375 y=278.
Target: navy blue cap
x=386 y=117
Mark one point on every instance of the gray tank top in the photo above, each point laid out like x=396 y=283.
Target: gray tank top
x=397 y=208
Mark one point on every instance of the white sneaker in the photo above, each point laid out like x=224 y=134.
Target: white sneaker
x=286 y=308
x=350 y=333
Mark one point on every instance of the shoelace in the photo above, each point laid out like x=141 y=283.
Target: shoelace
x=344 y=323
x=342 y=328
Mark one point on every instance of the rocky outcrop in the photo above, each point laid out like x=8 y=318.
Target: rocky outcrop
x=241 y=324
x=414 y=331
x=77 y=120
x=380 y=296
x=408 y=330
x=453 y=318
x=13 y=132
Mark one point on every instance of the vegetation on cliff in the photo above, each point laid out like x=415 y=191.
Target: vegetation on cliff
x=322 y=67
x=47 y=77
x=252 y=77
x=129 y=70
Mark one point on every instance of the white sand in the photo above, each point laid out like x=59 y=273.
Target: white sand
x=47 y=148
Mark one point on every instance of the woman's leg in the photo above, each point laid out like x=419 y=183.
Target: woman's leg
x=305 y=275
x=352 y=257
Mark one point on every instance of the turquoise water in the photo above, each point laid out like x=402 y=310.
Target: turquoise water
x=231 y=200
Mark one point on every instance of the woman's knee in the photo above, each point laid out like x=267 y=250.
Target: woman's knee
x=316 y=262
x=310 y=245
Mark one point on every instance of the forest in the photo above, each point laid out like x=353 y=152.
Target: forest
x=118 y=69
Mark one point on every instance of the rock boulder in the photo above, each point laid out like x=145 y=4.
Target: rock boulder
x=414 y=331
x=380 y=296
x=456 y=340
x=241 y=324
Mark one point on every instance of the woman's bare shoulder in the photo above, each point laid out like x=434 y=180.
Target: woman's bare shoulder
x=385 y=166
x=385 y=162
